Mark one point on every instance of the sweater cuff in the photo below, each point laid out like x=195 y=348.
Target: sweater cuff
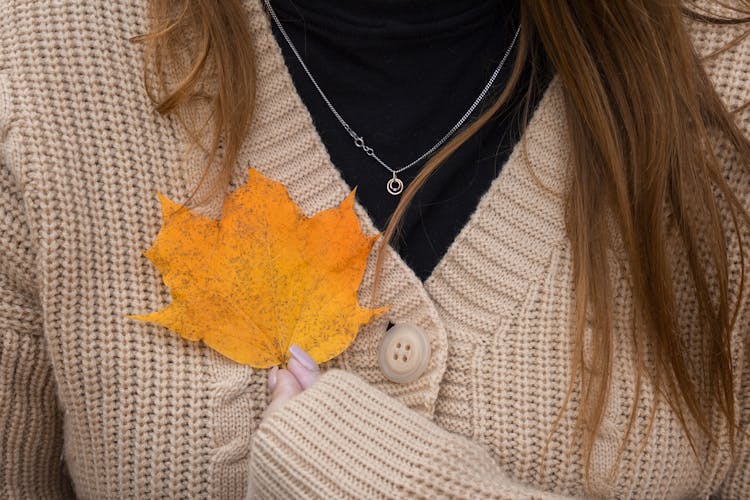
x=344 y=438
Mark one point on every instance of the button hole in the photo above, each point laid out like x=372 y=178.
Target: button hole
x=404 y=358
x=398 y=344
x=395 y=356
x=408 y=346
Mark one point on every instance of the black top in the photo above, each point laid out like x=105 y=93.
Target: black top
x=402 y=73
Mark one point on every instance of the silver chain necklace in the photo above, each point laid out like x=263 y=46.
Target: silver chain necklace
x=394 y=185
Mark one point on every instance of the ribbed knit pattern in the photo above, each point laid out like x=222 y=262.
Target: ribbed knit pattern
x=320 y=448
x=114 y=408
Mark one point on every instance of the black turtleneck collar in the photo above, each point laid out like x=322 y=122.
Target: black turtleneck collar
x=398 y=19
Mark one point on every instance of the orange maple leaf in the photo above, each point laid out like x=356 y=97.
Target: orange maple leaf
x=264 y=277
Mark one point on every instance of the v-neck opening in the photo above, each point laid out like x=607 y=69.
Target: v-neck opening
x=365 y=218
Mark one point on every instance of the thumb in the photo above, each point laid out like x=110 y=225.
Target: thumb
x=286 y=388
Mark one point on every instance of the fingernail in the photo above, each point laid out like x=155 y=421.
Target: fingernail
x=303 y=358
x=272 y=378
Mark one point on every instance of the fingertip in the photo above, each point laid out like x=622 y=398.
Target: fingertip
x=272 y=378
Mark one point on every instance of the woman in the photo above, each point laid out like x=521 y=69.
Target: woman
x=587 y=319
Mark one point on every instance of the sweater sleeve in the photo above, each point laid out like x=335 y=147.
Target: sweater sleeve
x=30 y=423
x=344 y=438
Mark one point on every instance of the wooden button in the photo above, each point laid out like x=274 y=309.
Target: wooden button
x=404 y=353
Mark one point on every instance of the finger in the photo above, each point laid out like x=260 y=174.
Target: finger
x=305 y=377
x=286 y=388
x=303 y=366
x=272 y=378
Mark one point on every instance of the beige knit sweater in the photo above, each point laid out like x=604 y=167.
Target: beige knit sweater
x=98 y=406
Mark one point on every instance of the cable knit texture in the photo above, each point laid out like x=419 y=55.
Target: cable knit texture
x=94 y=405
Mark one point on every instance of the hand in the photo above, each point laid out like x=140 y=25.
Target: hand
x=302 y=372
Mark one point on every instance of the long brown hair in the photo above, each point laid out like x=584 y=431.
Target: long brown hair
x=641 y=112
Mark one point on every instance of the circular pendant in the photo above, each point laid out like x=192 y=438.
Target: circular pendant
x=395 y=185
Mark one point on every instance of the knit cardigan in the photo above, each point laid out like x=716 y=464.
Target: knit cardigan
x=95 y=405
